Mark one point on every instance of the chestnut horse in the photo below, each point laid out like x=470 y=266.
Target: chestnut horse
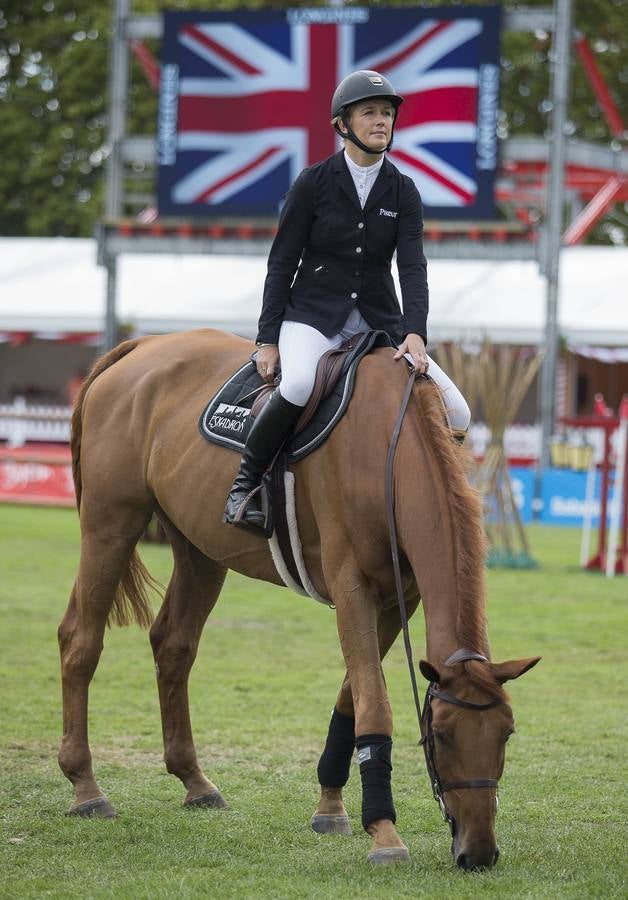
x=136 y=450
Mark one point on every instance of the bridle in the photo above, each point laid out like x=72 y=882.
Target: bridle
x=439 y=787
x=425 y=716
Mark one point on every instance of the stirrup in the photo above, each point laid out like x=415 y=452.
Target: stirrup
x=249 y=518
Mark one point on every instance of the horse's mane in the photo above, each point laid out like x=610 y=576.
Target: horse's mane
x=470 y=544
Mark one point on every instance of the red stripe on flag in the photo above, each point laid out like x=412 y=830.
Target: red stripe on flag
x=219 y=50
x=256 y=162
x=275 y=109
x=386 y=64
x=315 y=107
x=442 y=179
x=302 y=109
x=446 y=104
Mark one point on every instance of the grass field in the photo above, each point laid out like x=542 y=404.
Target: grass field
x=262 y=689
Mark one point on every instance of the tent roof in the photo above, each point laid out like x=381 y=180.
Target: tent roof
x=55 y=285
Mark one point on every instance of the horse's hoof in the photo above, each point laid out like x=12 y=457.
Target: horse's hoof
x=99 y=808
x=212 y=800
x=388 y=855
x=331 y=824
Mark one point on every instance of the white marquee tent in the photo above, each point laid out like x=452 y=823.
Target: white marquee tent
x=54 y=285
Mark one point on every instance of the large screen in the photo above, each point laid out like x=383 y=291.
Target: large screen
x=245 y=103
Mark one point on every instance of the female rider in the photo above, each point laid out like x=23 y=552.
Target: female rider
x=342 y=220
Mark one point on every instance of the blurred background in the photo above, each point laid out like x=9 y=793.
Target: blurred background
x=147 y=147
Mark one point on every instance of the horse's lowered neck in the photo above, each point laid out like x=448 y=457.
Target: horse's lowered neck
x=442 y=536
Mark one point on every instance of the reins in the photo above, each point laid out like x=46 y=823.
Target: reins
x=462 y=655
x=394 y=546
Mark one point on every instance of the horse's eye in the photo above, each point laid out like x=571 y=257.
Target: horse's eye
x=509 y=733
x=441 y=737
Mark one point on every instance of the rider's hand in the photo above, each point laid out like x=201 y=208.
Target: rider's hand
x=415 y=346
x=267 y=361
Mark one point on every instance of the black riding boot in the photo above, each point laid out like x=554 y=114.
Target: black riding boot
x=267 y=434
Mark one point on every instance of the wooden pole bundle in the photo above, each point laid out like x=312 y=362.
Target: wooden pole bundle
x=496 y=380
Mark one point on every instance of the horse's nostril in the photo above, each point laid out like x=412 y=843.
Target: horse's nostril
x=472 y=865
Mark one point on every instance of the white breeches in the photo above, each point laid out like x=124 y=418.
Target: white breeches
x=301 y=347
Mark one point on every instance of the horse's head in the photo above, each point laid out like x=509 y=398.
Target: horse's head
x=466 y=722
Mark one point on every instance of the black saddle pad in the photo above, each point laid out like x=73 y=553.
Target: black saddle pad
x=226 y=419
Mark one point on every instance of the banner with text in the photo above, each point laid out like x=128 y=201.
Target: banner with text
x=245 y=103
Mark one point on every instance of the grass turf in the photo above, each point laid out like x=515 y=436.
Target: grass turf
x=261 y=692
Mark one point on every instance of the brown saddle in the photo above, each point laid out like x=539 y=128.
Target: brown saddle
x=331 y=366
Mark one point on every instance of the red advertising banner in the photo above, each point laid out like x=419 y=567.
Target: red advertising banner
x=36 y=476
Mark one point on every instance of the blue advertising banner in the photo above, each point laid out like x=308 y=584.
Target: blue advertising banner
x=522 y=479
x=563 y=496
x=245 y=103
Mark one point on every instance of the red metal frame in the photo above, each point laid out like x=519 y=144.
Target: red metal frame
x=609 y=424
x=600 y=88
x=595 y=210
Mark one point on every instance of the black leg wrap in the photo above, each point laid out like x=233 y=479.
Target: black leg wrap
x=335 y=762
x=374 y=757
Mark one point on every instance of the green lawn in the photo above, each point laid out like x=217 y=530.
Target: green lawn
x=262 y=690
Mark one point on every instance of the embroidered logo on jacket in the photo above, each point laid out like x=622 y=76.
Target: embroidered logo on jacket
x=388 y=212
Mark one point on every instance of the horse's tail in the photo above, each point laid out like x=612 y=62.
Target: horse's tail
x=131 y=600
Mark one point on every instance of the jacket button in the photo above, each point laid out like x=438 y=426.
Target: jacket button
x=360 y=224
x=358 y=249
x=357 y=272
x=354 y=296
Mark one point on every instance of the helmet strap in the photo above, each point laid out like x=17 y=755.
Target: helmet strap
x=351 y=136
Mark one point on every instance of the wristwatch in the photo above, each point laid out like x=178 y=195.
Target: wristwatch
x=259 y=344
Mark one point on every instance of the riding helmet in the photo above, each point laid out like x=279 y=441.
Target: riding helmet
x=361 y=85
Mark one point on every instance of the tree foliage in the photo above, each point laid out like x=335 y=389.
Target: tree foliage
x=53 y=98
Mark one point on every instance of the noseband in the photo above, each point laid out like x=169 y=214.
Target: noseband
x=425 y=716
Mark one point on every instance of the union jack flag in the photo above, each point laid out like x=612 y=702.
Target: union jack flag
x=245 y=102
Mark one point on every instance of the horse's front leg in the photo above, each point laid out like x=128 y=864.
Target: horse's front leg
x=330 y=816
x=357 y=615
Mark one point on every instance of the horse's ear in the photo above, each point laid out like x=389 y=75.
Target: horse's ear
x=429 y=671
x=514 y=668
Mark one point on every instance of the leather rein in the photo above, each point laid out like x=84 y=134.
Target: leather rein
x=433 y=692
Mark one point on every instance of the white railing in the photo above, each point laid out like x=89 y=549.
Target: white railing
x=520 y=441
x=21 y=422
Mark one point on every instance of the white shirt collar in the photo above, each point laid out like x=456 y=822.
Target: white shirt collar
x=355 y=169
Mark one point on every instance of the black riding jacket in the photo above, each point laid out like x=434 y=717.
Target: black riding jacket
x=345 y=253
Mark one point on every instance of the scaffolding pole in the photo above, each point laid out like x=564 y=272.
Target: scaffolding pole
x=561 y=47
x=118 y=88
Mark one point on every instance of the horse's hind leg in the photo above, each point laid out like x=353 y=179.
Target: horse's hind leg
x=193 y=590
x=104 y=559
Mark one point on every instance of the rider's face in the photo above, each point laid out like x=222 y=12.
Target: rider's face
x=372 y=122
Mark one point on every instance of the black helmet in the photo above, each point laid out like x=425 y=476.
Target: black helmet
x=362 y=85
